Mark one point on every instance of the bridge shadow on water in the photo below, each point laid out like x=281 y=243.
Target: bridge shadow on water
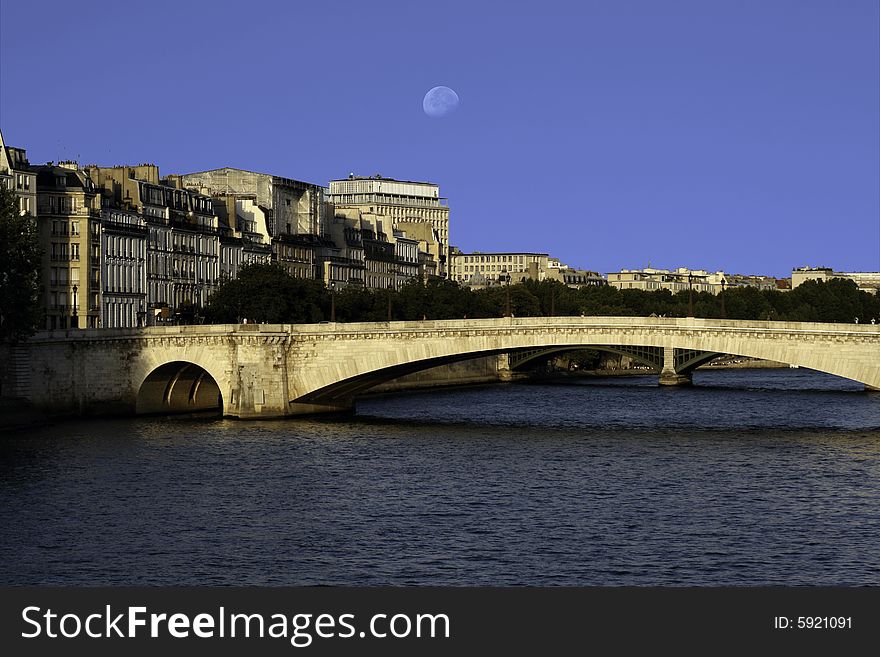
x=718 y=401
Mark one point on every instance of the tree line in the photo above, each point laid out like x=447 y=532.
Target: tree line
x=267 y=293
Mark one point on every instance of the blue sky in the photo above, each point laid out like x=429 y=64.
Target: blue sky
x=731 y=134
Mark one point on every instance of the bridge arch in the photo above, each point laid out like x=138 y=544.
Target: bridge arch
x=650 y=356
x=178 y=387
x=341 y=393
x=342 y=364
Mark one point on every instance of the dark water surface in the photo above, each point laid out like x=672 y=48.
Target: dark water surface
x=750 y=477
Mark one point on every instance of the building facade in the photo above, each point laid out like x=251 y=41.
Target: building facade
x=684 y=279
x=291 y=207
x=182 y=237
x=479 y=269
x=244 y=234
x=866 y=280
x=406 y=259
x=69 y=225
x=678 y=280
x=16 y=175
x=577 y=278
x=124 y=268
x=402 y=202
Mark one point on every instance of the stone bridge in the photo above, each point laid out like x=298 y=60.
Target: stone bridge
x=261 y=371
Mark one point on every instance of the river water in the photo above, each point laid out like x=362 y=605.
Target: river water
x=751 y=477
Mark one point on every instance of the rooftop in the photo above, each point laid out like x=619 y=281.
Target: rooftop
x=351 y=176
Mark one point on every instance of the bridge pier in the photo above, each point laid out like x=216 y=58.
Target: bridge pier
x=505 y=374
x=668 y=375
x=673 y=378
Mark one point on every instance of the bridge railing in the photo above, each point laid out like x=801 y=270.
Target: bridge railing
x=325 y=328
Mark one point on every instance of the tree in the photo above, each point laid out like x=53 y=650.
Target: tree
x=19 y=270
x=437 y=298
x=555 y=297
x=267 y=293
x=522 y=302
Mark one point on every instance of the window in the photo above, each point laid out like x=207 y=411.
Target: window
x=59 y=251
x=74 y=251
x=74 y=228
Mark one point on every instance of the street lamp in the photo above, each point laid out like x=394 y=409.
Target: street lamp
x=332 y=301
x=690 y=296
x=75 y=318
x=723 y=310
x=506 y=278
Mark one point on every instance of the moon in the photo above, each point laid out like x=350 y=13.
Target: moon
x=439 y=102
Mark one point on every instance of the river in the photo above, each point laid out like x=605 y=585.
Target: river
x=750 y=477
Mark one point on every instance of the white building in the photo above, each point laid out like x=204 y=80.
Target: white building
x=479 y=269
